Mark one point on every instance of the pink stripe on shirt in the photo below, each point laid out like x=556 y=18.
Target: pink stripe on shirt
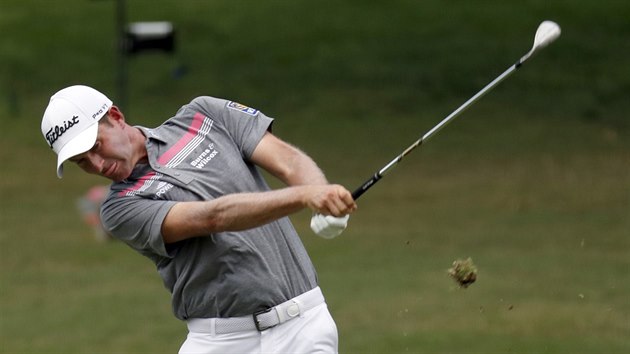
x=184 y=140
x=193 y=130
x=141 y=181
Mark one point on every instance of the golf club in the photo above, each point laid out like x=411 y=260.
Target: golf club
x=546 y=33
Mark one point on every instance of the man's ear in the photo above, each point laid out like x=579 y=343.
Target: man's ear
x=115 y=115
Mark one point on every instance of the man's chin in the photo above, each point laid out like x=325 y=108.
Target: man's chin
x=118 y=176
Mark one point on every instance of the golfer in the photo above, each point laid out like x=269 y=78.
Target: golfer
x=189 y=195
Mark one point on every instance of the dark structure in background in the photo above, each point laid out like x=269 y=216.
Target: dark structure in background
x=136 y=38
x=149 y=36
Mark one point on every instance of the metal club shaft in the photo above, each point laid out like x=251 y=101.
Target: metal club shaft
x=547 y=32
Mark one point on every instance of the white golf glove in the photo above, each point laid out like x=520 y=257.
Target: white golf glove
x=328 y=226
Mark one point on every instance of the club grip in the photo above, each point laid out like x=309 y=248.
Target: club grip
x=365 y=186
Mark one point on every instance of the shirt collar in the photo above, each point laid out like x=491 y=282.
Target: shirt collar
x=151 y=133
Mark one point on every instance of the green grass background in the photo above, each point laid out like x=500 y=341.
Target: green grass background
x=532 y=182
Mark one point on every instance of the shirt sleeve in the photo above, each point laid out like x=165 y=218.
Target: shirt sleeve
x=137 y=222
x=246 y=125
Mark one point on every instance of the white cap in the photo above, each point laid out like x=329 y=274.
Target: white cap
x=70 y=122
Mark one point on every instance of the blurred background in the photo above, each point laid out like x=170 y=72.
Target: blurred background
x=532 y=182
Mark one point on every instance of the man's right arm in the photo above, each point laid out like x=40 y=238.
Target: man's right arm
x=242 y=211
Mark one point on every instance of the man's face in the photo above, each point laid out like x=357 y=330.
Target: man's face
x=112 y=154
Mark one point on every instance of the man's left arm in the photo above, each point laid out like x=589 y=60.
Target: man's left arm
x=286 y=162
x=294 y=167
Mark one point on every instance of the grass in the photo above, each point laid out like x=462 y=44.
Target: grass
x=533 y=182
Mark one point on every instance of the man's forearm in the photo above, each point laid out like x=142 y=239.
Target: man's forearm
x=287 y=162
x=232 y=212
x=242 y=211
x=304 y=171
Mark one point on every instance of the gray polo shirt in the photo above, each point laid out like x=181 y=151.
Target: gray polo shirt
x=200 y=154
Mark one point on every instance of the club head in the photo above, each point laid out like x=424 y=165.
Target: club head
x=546 y=33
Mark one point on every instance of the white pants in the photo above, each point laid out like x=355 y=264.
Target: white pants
x=314 y=331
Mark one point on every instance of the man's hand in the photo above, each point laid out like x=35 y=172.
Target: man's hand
x=330 y=199
x=332 y=206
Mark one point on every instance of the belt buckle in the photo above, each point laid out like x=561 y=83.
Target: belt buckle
x=257 y=322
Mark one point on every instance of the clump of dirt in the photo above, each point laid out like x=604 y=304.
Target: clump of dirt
x=464 y=272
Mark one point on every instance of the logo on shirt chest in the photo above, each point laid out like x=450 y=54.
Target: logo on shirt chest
x=205 y=157
x=162 y=188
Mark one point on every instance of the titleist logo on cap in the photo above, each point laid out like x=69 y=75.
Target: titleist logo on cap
x=58 y=130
